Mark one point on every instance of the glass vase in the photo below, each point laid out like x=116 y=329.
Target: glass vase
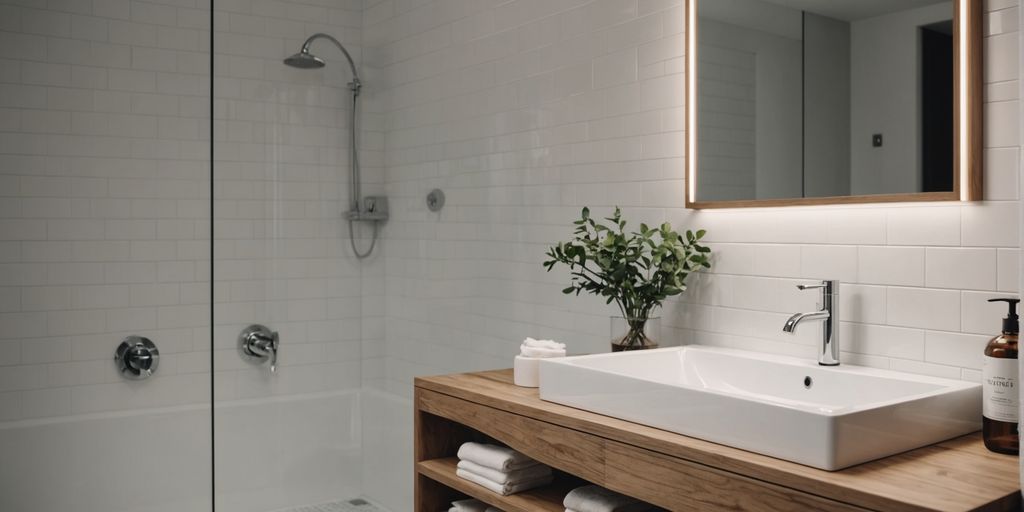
x=635 y=333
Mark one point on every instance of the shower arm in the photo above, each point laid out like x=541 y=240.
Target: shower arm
x=354 y=213
x=354 y=86
x=356 y=83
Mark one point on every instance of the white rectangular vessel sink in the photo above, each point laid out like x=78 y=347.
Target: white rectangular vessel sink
x=793 y=409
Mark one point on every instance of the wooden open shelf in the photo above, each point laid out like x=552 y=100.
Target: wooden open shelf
x=542 y=499
x=677 y=472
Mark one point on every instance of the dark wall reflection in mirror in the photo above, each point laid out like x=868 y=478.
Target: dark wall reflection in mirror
x=814 y=98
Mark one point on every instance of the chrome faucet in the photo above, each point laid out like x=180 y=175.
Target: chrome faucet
x=828 y=352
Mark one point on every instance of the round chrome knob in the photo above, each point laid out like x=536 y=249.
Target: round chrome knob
x=136 y=358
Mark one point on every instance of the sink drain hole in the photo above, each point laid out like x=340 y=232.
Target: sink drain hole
x=808 y=382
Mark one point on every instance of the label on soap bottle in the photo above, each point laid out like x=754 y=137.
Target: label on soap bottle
x=999 y=381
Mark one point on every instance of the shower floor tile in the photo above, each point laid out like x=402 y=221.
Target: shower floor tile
x=356 y=505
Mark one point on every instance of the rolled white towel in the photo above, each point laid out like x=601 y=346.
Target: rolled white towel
x=499 y=458
x=506 y=477
x=593 y=498
x=469 y=505
x=503 y=489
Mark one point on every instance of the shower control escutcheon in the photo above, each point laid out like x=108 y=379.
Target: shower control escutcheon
x=257 y=343
x=136 y=358
x=373 y=209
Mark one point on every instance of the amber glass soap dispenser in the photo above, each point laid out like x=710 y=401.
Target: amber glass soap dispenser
x=999 y=384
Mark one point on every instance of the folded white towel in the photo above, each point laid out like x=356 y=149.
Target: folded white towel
x=542 y=353
x=541 y=348
x=506 y=477
x=499 y=458
x=593 y=498
x=502 y=489
x=530 y=342
x=470 y=505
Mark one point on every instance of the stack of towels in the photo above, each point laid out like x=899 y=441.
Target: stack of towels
x=471 y=506
x=500 y=469
x=593 y=498
x=541 y=348
x=526 y=370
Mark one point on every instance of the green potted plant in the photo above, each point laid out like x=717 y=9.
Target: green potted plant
x=637 y=270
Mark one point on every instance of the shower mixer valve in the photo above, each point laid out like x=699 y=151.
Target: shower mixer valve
x=137 y=358
x=373 y=208
x=257 y=343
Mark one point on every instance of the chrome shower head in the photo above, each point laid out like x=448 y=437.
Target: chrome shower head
x=305 y=60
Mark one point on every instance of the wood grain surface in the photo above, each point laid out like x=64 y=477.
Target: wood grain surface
x=959 y=474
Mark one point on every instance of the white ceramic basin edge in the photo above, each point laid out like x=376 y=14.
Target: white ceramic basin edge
x=785 y=407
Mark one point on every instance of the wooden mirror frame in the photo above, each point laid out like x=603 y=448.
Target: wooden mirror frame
x=967 y=121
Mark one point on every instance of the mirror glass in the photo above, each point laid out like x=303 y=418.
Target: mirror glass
x=824 y=98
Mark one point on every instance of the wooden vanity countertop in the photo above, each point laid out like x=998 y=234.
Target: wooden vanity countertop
x=959 y=474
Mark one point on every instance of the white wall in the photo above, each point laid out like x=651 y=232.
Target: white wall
x=104 y=221
x=885 y=98
x=826 y=107
x=749 y=87
x=779 y=130
x=519 y=156
x=87 y=457
x=523 y=112
x=104 y=173
x=105 y=229
x=281 y=171
x=281 y=176
x=106 y=211
x=727 y=116
x=750 y=108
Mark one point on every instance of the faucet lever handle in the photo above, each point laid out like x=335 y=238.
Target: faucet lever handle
x=274 y=343
x=829 y=286
x=810 y=286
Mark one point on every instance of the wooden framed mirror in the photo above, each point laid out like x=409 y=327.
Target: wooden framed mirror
x=807 y=102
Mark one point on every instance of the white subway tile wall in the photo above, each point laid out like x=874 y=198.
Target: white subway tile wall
x=727 y=116
x=282 y=258
x=105 y=218
x=281 y=170
x=104 y=173
x=524 y=112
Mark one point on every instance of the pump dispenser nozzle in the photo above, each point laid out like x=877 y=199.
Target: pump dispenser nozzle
x=1011 y=324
